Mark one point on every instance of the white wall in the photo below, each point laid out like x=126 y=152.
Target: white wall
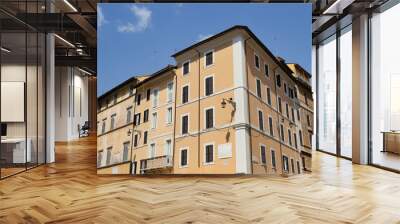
x=71 y=102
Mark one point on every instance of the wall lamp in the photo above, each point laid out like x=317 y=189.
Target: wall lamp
x=225 y=101
x=5 y=50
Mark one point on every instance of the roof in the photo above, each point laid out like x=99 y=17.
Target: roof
x=283 y=66
x=133 y=80
x=156 y=74
x=301 y=68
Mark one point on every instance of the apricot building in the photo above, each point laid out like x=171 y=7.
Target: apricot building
x=228 y=106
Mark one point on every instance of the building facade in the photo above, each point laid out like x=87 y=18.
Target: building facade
x=229 y=106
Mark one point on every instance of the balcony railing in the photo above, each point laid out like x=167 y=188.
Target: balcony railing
x=159 y=162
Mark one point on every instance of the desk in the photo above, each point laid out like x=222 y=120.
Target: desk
x=13 y=150
x=391 y=141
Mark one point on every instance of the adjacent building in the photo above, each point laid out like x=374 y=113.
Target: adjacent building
x=228 y=106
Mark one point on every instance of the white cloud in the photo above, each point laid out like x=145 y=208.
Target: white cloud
x=201 y=37
x=143 y=16
x=100 y=17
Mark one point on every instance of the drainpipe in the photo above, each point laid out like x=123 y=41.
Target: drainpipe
x=174 y=121
x=248 y=105
x=132 y=133
x=198 y=120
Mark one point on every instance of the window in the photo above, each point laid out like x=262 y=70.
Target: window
x=108 y=159
x=273 y=160
x=285 y=88
x=257 y=61
x=295 y=140
x=278 y=80
x=135 y=140
x=113 y=121
x=266 y=68
x=169 y=115
x=145 y=138
x=138 y=98
x=298 y=167
x=131 y=89
x=298 y=114
x=185 y=124
x=300 y=137
x=136 y=119
x=148 y=94
x=154 y=120
x=269 y=96
x=287 y=110
x=152 y=152
x=167 y=147
x=185 y=67
x=292 y=163
x=125 y=152
x=271 y=126
x=128 y=115
x=185 y=94
x=290 y=137
x=308 y=120
x=209 y=58
x=310 y=137
x=209 y=154
x=184 y=158
x=209 y=85
x=282 y=133
x=170 y=88
x=155 y=97
x=263 y=155
x=279 y=105
x=103 y=126
x=115 y=98
x=146 y=116
x=261 y=120
x=258 y=87
x=293 y=115
x=209 y=118
x=295 y=92
x=99 y=158
x=285 y=163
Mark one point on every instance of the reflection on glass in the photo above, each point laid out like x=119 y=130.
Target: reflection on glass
x=385 y=84
x=346 y=92
x=327 y=95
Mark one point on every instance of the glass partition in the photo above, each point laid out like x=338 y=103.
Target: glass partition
x=385 y=89
x=327 y=95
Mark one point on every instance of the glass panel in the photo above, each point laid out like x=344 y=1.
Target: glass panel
x=385 y=84
x=346 y=92
x=327 y=95
x=13 y=87
x=41 y=98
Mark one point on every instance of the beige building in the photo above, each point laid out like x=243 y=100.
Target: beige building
x=229 y=106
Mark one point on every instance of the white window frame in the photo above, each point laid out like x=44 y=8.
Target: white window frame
x=167 y=121
x=205 y=85
x=268 y=76
x=259 y=61
x=180 y=157
x=150 y=150
x=272 y=165
x=169 y=153
x=257 y=79
x=213 y=58
x=283 y=165
x=205 y=117
x=172 y=92
x=183 y=115
x=154 y=123
x=271 y=126
x=153 y=97
x=204 y=153
x=183 y=86
x=265 y=148
x=270 y=94
x=187 y=61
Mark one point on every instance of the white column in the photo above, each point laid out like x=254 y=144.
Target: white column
x=243 y=160
x=360 y=90
x=50 y=99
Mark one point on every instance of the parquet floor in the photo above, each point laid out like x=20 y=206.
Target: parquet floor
x=70 y=192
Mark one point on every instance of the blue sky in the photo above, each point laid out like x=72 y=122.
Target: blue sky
x=136 y=39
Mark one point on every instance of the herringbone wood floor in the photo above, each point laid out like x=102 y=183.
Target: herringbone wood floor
x=70 y=192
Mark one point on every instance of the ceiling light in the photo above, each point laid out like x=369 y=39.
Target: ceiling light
x=70 y=5
x=5 y=50
x=84 y=71
x=64 y=40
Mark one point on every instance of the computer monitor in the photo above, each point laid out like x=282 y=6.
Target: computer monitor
x=3 y=129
